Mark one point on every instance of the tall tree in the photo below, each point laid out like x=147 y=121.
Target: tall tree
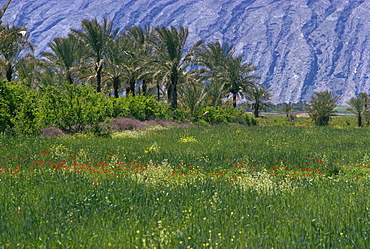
x=223 y=70
x=359 y=106
x=191 y=93
x=210 y=59
x=14 y=40
x=238 y=79
x=288 y=108
x=140 y=63
x=118 y=53
x=66 y=54
x=97 y=37
x=259 y=97
x=169 y=44
x=321 y=107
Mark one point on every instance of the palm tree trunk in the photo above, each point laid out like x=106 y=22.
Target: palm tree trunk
x=132 y=86
x=359 y=120
x=98 y=80
x=158 y=92
x=69 y=77
x=172 y=89
x=116 y=83
x=234 y=100
x=145 y=87
x=9 y=72
x=256 y=110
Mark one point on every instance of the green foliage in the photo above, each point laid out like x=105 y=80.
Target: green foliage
x=72 y=108
x=26 y=105
x=221 y=187
x=6 y=107
x=140 y=107
x=322 y=106
x=360 y=107
x=223 y=115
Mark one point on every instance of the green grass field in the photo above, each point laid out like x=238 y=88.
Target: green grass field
x=277 y=186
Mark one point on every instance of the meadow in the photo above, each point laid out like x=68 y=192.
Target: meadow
x=228 y=186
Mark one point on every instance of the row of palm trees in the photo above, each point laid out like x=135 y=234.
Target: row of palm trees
x=141 y=60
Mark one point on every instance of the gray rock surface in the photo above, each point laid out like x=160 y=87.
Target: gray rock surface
x=299 y=46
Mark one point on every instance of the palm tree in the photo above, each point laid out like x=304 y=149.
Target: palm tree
x=191 y=93
x=211 y=58
x=287 y=108
x=359 y=106
x=143 y=53
x=169 y=44
x=221 y=68
x=35 y=72
x=118 y=53
x=237 y=78
x=97 y=37
x=66 y=54
x=321 y=107
x=14 y=40
x=259 y=96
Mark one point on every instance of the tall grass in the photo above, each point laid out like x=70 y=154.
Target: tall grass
x=197 y=187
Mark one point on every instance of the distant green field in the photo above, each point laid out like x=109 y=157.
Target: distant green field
x=342 y=109
x=233 y=186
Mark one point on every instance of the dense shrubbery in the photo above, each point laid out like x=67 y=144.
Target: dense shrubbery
x=223 y=115
x=75 y=109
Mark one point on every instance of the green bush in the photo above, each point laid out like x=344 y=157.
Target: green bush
x=222 y=115
x=25 y=113
x=140 y=107
x=7 y=107
x=72 y=108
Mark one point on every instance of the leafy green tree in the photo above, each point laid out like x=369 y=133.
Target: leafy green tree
x=259 y=97
x=169 y=44
x=96 y=37
x=14 y=40
x=66 y=55
x=191 y=93
x=118 y=53
x=224 y=72
x=359 y=106
x=138 y=66
x=321 y=107
x=35 y=72
x=288 y=108
x=7 y=107
x=211 y=58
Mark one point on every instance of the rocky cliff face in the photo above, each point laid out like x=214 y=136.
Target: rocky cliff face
x=299 y=46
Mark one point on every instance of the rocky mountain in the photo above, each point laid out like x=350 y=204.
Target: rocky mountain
x=299 y=46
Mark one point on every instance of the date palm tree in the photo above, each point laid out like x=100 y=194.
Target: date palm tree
x=238 y=79
x=66 y=54
x=224 y=72
x=359 y=106
x=14 y=40
x=118 y=53
x=96 y=38
x=321 y=107
x=191 y=92
x=259 y=97
x=211 y=58
x=139 y=66
x=287 y=108
x=169 y=44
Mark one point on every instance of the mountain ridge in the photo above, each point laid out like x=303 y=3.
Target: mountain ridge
x=299 y=47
